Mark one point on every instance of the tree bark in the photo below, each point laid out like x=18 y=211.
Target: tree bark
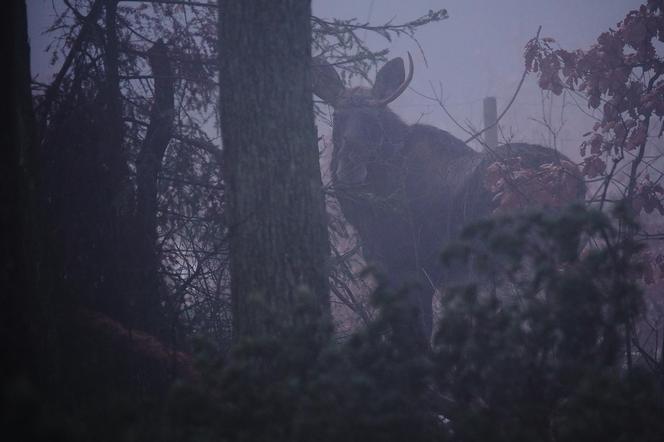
x=277 y=235
x=113 y=215
x=148 y=165
x=20 y=322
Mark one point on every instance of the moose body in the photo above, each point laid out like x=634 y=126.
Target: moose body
x=408 y=190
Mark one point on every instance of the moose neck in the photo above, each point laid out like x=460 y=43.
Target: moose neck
x=385 y=173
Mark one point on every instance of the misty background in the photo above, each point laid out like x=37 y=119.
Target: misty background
x=159 y=288
x=477 y=52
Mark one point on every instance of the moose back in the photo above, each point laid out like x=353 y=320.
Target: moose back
x=408 y=190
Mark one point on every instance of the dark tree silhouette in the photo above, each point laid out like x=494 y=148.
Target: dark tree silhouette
x=18 y=255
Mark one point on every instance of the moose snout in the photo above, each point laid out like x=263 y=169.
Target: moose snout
x=350 y=170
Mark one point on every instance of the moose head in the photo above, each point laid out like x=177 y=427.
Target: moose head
x=364 y=128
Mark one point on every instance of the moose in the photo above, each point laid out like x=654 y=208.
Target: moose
x=408 y=190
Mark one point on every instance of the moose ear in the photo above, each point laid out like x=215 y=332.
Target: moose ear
x=389 y=78
x=327 y=84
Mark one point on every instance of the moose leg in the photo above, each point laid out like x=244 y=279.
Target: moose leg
x=418 y=297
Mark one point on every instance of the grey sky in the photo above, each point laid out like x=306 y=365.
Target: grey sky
x=478 y=52
x=475 y=53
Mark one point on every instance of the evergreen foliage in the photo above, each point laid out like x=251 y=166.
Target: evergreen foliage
x=534 y=350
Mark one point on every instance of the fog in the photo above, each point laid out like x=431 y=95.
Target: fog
x=478 y=52
x=196 y=250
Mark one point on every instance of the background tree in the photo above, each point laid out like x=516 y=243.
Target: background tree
x=621 y=77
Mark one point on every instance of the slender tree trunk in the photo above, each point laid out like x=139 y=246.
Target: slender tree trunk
x=148 y=165
x=114 y=210
x=278 y=239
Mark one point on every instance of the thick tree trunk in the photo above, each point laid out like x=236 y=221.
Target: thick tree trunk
x=278 y=239
x=148 y=165
x=20 y=321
